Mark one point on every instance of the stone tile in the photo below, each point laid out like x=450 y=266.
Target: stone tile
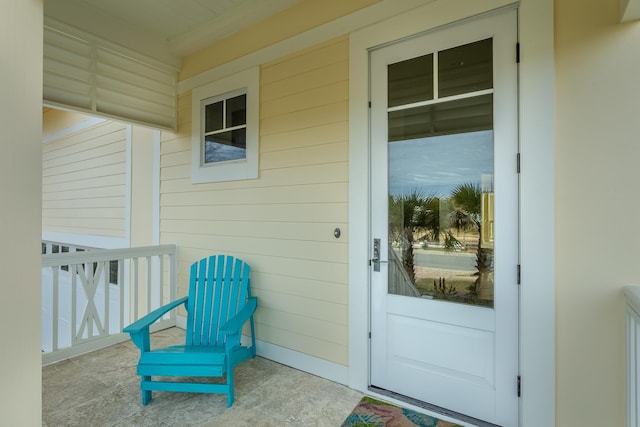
x=102 y=389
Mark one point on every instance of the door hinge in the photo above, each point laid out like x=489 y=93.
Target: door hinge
x=369 y=104
x=519 y=385
x=518 y=163
x=518 y=274
x=369 y=335
x=518 y=53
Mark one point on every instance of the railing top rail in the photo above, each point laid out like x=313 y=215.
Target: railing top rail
x=98 y=255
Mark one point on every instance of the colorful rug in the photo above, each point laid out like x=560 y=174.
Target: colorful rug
x=374 y=413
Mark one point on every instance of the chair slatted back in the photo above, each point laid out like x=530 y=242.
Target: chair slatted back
x=218 y=289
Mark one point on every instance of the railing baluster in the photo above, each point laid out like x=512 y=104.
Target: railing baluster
x=121 y=289
x=135 y=288
x=74 y=304
x=106 y=327
x=55 y=308
x=161 y=278
x=148 y=285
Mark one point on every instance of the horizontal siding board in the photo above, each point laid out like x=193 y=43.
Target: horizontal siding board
x=293 y=268
x=318 y=154
x=174 y=181
x=102 y=129
x=176 y=158
x=311 y=174
x=175 y=144
x=330 y=52
x=112 y=191
x=85 y=212
x=324 y=251
x=72 y=228
x=298 y=138
x=303 y=324
x=107 y=227
x=97 y=142
x=95 y=202
x=315 y=289
x=313 y=193
x=300 y=305
x=314 y=346
x=307 y=212
x=92 y=183
x=52 y=177
x=308 y=118
x=176 y=172
x=97 y=148
x=321 y=232
x=328 y=94
x=322 y=76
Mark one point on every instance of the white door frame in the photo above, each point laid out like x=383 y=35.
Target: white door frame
x=537 y=234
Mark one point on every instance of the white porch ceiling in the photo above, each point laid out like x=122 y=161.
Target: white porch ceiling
x=165 y=30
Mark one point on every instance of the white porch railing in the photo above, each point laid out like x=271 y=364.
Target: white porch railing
x=89 y=296
x=399 y=281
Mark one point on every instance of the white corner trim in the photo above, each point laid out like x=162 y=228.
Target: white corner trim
x=127 y=184
x=156 y=188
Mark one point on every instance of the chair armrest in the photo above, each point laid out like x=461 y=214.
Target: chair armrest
x=145 y=321
x=234 y=325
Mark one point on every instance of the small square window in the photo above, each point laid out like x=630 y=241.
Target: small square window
x=225 y=129
x=225 y=140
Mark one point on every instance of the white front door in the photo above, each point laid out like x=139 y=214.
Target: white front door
x=444 y=218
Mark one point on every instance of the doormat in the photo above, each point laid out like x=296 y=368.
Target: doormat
x=375 y=413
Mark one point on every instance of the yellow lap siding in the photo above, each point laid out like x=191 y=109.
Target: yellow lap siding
x=281 y=223
x=84 y=181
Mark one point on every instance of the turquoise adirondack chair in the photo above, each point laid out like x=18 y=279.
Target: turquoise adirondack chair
x=219 y=303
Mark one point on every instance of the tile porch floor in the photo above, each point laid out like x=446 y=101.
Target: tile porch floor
x=102 y=389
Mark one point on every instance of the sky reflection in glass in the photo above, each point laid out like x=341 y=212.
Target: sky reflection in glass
x=435 y=166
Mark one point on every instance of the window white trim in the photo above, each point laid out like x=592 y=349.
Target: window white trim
x=249 y=81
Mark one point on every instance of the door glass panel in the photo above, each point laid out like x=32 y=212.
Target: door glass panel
x=441 y=193
x=444 y=118
x=465 y=68
x=411 y=81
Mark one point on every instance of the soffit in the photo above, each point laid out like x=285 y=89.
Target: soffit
x=165 y=30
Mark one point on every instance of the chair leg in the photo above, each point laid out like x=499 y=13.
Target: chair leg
x=146 y=394
x=230 y=395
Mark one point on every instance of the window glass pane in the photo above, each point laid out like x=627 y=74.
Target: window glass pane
x=465 y=68
x=459 y=116
x=225 y=146
x=213 y=116
x=441 y=219
x=410 y=81
x=236 y=111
